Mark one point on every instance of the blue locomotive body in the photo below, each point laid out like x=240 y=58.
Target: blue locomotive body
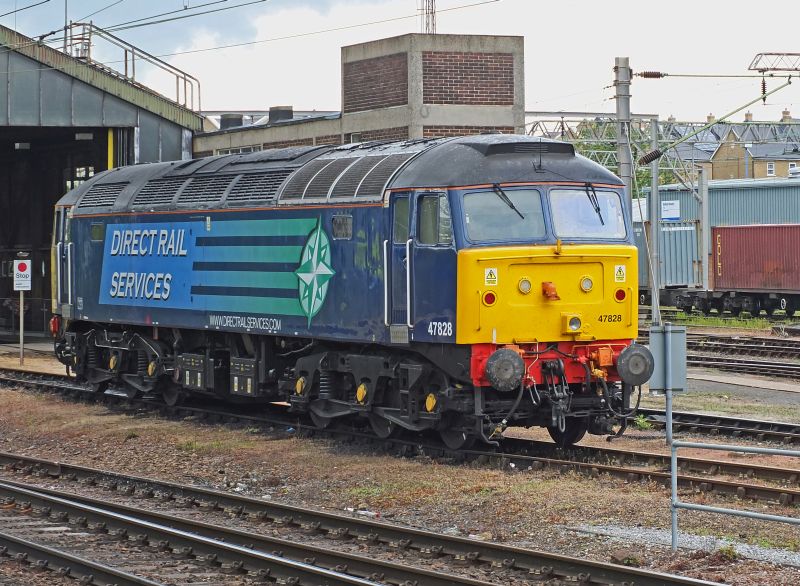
x=390 y=281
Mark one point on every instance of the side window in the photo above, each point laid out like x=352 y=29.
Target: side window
x=434 y=224
x=400 y=220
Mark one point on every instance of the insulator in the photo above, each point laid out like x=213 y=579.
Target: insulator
x=650 y=157
x=327 y=384
x=652 y=74
x=764 y=90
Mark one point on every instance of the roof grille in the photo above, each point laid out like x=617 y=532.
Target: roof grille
x=205 y=190
x=375 y=181
x=351 y=179
x=297 y=184
x=158 y=192
x=257 y=187
x=102 y=195
x=530 y=147
x=321 y=184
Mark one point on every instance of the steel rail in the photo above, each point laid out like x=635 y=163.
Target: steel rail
x=200 y=546
x=84 y=571
x=520 y=451
x=761 y=430
x=538 y=565
x=358 y=565
x=621 y=457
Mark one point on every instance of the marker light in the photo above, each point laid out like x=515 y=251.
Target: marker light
x=620 y=294
x=586 y=284
x=575 y=324
x=489 y=298
x=524 y=286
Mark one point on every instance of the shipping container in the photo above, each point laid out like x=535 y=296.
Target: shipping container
x=731 y=203
x=678 y=250
x=756 y=258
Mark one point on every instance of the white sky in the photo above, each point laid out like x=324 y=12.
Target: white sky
x=570 y=47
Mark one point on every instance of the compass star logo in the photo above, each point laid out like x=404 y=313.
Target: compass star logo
x=314 y=271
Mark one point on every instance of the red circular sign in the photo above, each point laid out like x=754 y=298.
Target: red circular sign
x=22 y=267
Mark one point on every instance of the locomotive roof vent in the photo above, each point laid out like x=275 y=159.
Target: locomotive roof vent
x=158 y=192
x=102 y=195
x=205 y=190
x=257 y=187
x=525 y=148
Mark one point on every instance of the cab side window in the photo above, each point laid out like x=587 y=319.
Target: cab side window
x=400 y=221
x=434 y=223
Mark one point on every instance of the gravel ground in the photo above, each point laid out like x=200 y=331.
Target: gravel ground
x=535 y=509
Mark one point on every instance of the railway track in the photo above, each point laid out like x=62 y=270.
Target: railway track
x=777 y=431
x=134 y=522
x=746 y=481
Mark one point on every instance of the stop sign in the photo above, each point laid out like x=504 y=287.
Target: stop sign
x=22 y=275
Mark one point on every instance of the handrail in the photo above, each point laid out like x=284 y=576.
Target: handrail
x=80 y=39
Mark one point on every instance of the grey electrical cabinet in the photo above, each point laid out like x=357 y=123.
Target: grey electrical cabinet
x=668 y=346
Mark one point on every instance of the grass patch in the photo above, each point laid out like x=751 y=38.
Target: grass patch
x=751 y=323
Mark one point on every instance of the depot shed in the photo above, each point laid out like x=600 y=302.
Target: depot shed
x=64 y=118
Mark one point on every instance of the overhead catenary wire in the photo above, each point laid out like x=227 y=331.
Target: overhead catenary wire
x=260 y=41
x=16 y=10
x=103 y=9
x=152 y=16
x=658 y=153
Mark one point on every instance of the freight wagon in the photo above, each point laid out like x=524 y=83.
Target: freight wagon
x=753 y=268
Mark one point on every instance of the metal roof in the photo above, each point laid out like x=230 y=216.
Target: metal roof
x=104 y=80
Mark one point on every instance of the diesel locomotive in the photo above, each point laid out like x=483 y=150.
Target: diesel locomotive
x=455 y=286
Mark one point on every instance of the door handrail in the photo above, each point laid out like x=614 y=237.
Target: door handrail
x=386 y=283
x=408 y=283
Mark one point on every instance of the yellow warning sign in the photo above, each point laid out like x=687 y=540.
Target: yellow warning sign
x=490 y=277
x=620 y=273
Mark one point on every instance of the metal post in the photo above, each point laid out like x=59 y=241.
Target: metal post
x=66 y=22
x=653 y=209
x=705 y=229
x=21 y=328
x=622 y=84
x=673 y=460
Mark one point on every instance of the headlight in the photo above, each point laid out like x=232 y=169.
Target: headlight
x=575 y=324
x=586 y=284
x=524 y=286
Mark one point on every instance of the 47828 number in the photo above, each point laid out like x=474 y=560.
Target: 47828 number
x=610 y=317
x=440 y=328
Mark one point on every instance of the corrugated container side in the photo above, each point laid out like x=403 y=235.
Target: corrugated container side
x=761 y=257
x=678 y=252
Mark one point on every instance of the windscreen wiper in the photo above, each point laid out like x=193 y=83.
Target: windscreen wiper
x=502 y=195
x=592 y=195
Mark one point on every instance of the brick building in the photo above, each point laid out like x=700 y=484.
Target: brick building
x=411 y=86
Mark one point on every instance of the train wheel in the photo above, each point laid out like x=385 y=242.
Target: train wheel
x=320 y=421
x=171 y=394
x=574 y=430
x=382 y=427
x=99 y=388
x=457 y=439
x=456 y=433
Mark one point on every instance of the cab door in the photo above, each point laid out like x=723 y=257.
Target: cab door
x=433 y=269
x=63 y=257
